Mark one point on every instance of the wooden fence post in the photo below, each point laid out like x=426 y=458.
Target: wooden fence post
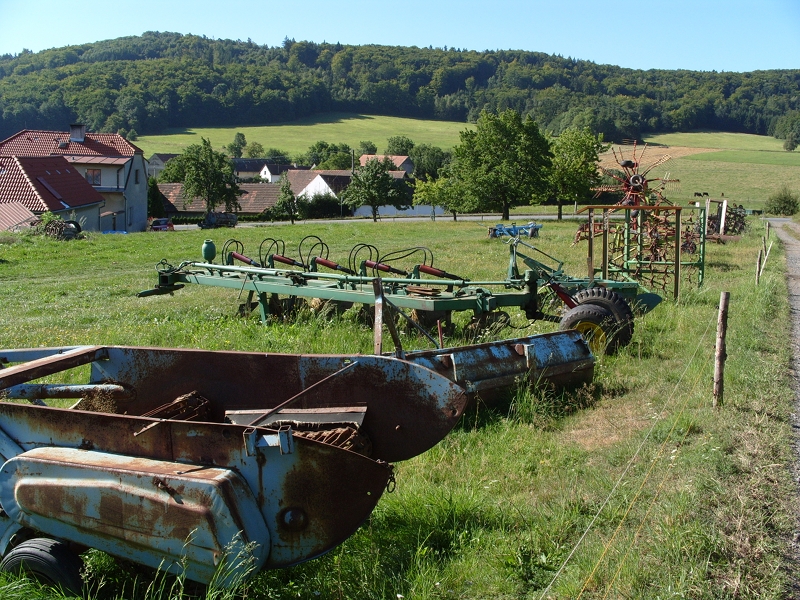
x=720 y=353
x=758 y=267
x=767 y=229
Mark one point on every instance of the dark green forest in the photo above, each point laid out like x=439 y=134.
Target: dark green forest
x=149 y=83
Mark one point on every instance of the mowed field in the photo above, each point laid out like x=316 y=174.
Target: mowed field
x=297 y=136
x=742 y=167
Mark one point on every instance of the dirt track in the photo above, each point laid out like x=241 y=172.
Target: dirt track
x=649 y=155
x=789 y=233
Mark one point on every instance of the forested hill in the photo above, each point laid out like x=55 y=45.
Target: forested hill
x=155 y=81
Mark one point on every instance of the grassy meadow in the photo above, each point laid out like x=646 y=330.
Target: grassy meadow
x=297 y=136
x=632 y=488
x=744 y=168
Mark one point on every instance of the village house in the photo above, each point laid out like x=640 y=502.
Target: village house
x=107 y=161
x=32 y=185
x=157 y=162
x=257 y=198
x=401 y=163
x=272 y=172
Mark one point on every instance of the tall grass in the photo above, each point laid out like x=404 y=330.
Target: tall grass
x=633 y=487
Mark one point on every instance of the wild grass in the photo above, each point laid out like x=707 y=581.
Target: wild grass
x=746 y=184
x=634 y=487
x=295 y=137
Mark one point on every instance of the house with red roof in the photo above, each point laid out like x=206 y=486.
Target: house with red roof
x=38 y=184
x=401 y=163
x=113 y=166
x=256 y=198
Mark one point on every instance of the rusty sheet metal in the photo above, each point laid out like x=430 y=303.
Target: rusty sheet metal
x=47 y=365
x=409 y=407
x=148 y=511
x=560 y=358
x=311 y=497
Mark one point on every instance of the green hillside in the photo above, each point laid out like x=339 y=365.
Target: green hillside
x=297 y=136
x=161 y=81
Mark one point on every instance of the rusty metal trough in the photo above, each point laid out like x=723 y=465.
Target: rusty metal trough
x=172 y=457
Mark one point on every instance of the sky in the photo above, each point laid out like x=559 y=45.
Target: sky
x=701 y=35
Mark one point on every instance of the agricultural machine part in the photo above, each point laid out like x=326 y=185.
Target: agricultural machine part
x=725 y=219
x=530 y=230
x=429 y=293
x=647 y=245
x=632 y=180
x=193 y=456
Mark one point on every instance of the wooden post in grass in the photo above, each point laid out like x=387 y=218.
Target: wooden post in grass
x=720 y=353
x=767 y=229
x=758 y=267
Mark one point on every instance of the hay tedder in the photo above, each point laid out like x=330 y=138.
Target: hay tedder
x=276 y=284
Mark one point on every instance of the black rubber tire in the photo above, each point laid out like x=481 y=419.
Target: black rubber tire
x=616 y=305
x=49 y=562
x=75 y=225
x=596 y=324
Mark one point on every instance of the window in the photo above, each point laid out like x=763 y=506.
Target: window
x=136 y=177
x=93 y=176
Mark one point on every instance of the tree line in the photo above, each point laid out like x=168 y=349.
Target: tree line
x=149 y=83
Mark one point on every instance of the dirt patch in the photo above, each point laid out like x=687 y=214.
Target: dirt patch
x=607 y=424
x=650 y=155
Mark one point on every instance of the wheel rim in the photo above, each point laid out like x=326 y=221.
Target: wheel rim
x=594 y=335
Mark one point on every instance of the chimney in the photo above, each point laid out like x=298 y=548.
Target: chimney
x=77 y=132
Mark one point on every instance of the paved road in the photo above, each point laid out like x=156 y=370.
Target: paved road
x=486 y=219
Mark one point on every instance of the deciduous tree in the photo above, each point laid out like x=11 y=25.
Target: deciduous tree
x=287 y=206
x=209 y=175
x=399 y=145
x=236 y=147
x=428 y=161
x=502 y=163
x=254 y=150
x=373 y=186
x=573 y=171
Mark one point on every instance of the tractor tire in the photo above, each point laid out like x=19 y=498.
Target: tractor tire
x=616 y=305
x=49 y=562
x=596 y=324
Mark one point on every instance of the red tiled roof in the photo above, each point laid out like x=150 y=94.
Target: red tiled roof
x=397 y=160
x=46 y=143
x=257 y=197
x=43 y=183
x=14 y=214
x=299 y=180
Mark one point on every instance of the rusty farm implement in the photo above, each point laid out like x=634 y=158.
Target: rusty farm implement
x=275 y=283
x=177 y=458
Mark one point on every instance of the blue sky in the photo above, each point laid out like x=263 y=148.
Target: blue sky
x=707 y=35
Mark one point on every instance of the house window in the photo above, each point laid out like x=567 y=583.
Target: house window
x=136 y=177
x=93 y=176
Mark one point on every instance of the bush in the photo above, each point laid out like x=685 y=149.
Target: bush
x=324 y=206
x=783 y=202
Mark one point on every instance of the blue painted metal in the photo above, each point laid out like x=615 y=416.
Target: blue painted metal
x=531 y=230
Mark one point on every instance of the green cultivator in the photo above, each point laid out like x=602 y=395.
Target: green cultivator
x=276 y=283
